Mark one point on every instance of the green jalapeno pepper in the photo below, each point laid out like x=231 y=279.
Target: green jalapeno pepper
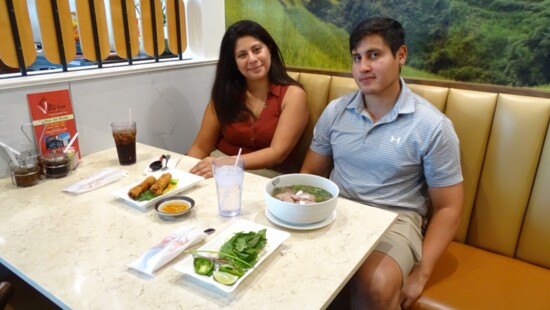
x=203 y=266
x=239 y=272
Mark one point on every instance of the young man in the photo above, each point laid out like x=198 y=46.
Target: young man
x=391 y=149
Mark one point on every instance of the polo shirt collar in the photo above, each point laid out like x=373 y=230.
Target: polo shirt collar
x=403 y=105
x=405 y=102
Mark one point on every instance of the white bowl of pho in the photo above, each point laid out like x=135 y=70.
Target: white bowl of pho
x=301 y=198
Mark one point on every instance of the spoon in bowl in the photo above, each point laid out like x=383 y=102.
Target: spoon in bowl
x=166 y=162
x=209 y=231
x=157 y=164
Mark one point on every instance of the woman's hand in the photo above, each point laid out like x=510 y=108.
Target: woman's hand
x=203 y=168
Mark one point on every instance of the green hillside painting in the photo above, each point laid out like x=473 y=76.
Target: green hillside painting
x=502 y=42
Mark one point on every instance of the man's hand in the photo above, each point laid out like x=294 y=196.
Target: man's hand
x=412 y=288
x=447 y=206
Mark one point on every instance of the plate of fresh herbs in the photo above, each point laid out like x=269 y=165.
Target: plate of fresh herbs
x=228 y=259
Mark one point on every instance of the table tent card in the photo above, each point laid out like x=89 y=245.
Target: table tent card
x=53 y=120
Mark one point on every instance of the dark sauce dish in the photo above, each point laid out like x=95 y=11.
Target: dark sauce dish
x=174 y=206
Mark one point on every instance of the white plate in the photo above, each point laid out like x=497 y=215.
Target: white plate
x=274 y=239
x=275 y=220
x=186 y=180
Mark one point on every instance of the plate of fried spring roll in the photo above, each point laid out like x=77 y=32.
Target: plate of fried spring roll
x=146 y=192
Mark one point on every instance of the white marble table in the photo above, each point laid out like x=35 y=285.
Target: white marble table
x=75 y=249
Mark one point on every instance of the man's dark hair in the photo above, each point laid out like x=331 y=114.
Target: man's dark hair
x=388 y=28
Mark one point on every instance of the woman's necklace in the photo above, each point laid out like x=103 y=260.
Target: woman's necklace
x=256 y=105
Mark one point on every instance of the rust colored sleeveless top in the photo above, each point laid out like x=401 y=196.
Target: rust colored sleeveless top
x=253 y=135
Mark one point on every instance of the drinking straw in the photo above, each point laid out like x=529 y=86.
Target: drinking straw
x=10 y=153
x=129 y=115
x=40 y=140
x=70 y=143
x=23 y=131
x=14 y=151
x=238 y=155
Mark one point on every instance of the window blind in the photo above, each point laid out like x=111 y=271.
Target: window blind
x=62 y=30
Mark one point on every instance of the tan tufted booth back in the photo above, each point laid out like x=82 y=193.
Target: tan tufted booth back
x=472 y=116
x=534 y=240
x=317 y=88
x=505 y=153
x=513 y=152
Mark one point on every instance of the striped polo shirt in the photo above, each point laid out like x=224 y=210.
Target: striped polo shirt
x=390 y=163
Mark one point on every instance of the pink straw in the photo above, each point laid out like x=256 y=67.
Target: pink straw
x=70 y=143
x=238 y=156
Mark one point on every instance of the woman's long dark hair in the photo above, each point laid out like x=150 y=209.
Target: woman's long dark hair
x=229 y=90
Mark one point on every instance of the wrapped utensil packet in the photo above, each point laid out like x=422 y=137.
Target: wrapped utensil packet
x=167 y=249
x=97 y=180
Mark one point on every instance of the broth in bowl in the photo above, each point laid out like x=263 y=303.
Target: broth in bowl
x=301 y=194
x=301 y=213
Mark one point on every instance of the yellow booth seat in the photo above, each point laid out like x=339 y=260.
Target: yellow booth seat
x=500 y=258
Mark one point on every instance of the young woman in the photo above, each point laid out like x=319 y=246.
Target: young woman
x=255 y=105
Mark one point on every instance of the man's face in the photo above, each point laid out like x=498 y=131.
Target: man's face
x=374 y=67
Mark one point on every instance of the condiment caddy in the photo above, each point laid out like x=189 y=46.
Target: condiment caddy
x=56 y=165
x=25 y=175
x=29 y=168
x=26 y=169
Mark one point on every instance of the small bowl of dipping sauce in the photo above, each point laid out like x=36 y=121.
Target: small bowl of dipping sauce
x=174 y=206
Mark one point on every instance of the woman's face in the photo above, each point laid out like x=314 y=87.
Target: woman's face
x=253 y=58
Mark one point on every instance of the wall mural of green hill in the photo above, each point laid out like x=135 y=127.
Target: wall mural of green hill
x=502 y=42
x=304 y=39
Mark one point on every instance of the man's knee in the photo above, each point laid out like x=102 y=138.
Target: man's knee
x=377 y=283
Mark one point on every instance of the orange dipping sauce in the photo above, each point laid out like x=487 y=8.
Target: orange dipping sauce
x=174 y=207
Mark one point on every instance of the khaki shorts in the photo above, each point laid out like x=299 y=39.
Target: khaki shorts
x=403 y=241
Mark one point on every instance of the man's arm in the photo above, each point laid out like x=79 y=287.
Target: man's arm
x=447 y=208
x=315 y=163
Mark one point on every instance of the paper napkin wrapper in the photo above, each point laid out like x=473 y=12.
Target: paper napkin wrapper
x=167 y=249
x=97 y=180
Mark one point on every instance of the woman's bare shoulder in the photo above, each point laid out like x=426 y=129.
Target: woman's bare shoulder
x=295 y=93
x=296 y=88
x=296 y=98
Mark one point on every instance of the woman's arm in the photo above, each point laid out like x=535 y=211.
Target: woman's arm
x=208 y=135
x=291 y=125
